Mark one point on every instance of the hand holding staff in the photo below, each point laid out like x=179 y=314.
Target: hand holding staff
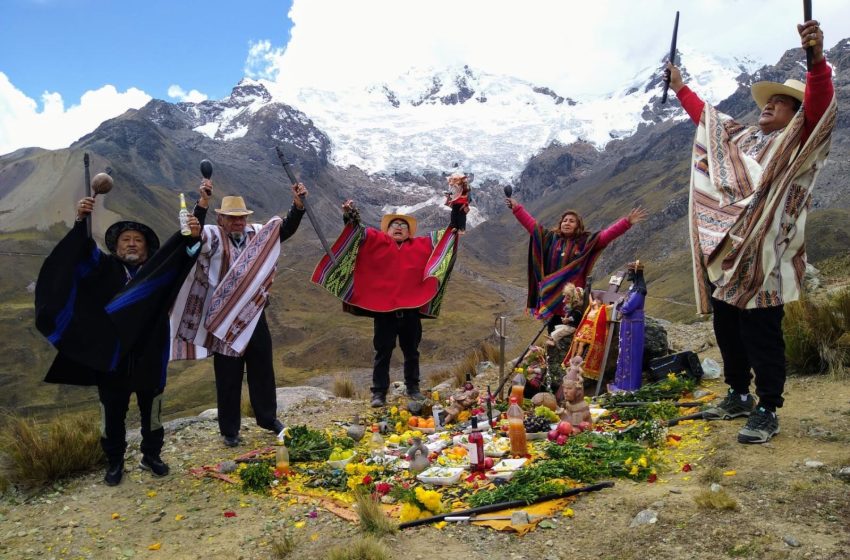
x=811 y=39
x=672 y=58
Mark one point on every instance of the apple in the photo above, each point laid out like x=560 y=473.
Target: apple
x=553 y=434
x=562 y=439
x=565 y=428
x=584 y=426
x=488 y=463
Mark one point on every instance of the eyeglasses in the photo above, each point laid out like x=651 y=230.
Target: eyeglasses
x=400 y=225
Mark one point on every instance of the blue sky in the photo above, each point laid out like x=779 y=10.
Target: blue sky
x=68 y=65
x=72 y=46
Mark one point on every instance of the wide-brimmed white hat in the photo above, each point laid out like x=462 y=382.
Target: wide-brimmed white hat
x=411 y=222
x=762 y=91
x=233 y=206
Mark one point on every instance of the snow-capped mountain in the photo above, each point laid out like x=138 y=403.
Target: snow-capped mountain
x=427 y=120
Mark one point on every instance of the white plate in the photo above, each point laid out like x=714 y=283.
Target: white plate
x=441 y=476
x=506 y=465
x=493 y=475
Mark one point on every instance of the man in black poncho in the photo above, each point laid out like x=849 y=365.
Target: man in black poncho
x=107 y=315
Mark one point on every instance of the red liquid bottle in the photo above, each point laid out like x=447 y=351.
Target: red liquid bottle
x=476 y=448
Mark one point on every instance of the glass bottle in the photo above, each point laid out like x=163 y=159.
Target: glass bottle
x=281 y=455
x=376 y=443
x=516 y=430
x=184 y=217
x=476 y=447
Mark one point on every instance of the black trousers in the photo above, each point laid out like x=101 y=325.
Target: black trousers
x=229 y=370
x=114 y=391
x=406 y=325
x=750 y=340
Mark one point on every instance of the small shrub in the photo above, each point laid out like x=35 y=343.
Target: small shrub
x=245 y=407
x=710 y=475
x=364 y=548
x=485 y=352
x=343 y=387
x=715 y=500
x=257 y=477
x=38 y=453
x=373 y=520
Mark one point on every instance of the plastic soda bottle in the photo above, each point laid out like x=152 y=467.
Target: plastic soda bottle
x=184 y=217
x=518 y=388
x=281 y=454
x=516 y=430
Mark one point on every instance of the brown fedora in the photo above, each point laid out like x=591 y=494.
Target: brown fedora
x=411 y=222
x=233 y=206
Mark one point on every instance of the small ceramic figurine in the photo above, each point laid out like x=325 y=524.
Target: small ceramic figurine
x=464 y=398
x=458 y=199
x=355 y=430
x=417 y=455
x=574 y=409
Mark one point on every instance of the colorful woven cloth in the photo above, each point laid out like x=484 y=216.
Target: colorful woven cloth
x=750 y=194
x=374 y=274
x=221 y=301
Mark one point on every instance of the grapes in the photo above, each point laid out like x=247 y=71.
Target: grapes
x=534 y=424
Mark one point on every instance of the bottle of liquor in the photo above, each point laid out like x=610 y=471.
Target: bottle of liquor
x=516 y=430
x=518 y=388
x=184 y=217
x=376 y=443
x=281 y=454
x=476 y=448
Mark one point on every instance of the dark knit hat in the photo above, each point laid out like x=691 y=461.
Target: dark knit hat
x=116 y=229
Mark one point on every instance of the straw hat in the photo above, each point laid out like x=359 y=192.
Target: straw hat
x=116 y=229
x=233 y=206
x=411 y=222
x=762 y=91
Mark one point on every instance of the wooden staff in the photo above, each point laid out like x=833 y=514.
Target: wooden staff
x=672 y=58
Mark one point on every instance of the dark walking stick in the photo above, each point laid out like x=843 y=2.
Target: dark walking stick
x=807 y=16
x=672 y=58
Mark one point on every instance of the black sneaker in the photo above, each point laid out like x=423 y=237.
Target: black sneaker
x=154 y=465
x=761 y=426
x=378 y=400
x=114 y=473
x=231 y=441
x=414 y=394
x=277 y=427
x=731 y=407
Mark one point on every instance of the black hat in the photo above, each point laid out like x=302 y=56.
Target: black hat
x=118 y=228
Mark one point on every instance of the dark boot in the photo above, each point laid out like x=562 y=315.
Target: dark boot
x=114 y=473
x=154 y=465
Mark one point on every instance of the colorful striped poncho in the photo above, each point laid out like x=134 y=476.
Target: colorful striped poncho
x=374 y=274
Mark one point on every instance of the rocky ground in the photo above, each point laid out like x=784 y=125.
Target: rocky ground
x=792 y=496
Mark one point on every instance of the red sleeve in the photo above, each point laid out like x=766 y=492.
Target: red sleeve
x=524 y=218
x=691 y=103
x=613 y=231
x=819 y=92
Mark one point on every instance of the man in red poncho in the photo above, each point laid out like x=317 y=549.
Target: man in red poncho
x=395 y=278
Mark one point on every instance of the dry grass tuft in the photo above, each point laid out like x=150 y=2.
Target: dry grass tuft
x=363 y=548
x=343 y=386
x=37 y=453
x=373 y=520
x=485 y=352
x=710 y=475
x=283 y=547
x=720 y=500
x=816 y=335
x=245 y=407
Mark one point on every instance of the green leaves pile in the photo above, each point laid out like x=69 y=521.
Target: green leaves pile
x=664 y=390
x=257 y=477
x=306 y=445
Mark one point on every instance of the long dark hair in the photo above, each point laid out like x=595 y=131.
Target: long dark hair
x=579 y=223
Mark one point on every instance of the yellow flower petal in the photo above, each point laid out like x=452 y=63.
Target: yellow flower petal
x=440 y=525
x=300 y=524
x=116 y=515
x=155 y=546
x=569 y=512
x=730 y=473
x=314 y=537
x=179 y=517
x=152 y=494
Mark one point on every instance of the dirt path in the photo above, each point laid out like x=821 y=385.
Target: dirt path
x=781 y=500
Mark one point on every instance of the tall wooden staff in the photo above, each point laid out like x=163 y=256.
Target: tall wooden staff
x=87 y=191
x=807 y=16
x=307 y=207
x=672 y=58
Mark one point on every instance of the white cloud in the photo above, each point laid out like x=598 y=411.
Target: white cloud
x=578 y=49
x=178 y=93
x=23 y=125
